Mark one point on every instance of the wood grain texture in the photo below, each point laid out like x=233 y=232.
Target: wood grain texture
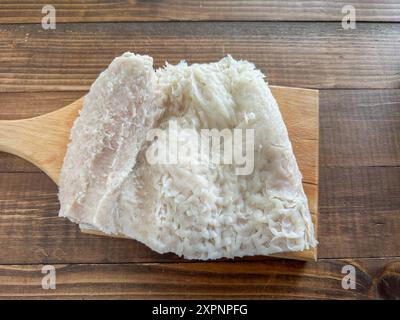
x=388 y=283
x=15 y=106
x=306 y=55
x=222 y=280
x=359 y=212
x=360 y=128
x=41 y=140
x=30 y=11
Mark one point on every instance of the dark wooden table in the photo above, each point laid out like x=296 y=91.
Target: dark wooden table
x=296 y=43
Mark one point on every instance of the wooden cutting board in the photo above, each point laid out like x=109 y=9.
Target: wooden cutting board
x=43 y=141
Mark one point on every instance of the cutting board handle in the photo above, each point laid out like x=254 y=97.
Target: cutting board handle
x=41 y=140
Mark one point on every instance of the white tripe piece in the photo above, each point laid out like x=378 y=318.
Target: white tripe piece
x=196 y=207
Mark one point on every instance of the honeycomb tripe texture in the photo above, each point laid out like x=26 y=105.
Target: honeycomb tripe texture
x=196 y=207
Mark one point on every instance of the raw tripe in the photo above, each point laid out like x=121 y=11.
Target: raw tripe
x=195 y=208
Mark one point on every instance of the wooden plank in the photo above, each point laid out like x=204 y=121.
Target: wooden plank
x=13 y=11
x=14 y=106
x=359 y=210
x=11 y=163
x=222 y=280
x=360 y=128
x=388 y=283
x=321 y=55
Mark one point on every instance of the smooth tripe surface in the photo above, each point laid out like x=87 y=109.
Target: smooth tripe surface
x=196 y=208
